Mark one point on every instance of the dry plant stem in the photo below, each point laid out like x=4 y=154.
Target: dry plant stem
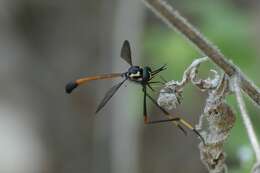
x=246 y=119
x=175 y=20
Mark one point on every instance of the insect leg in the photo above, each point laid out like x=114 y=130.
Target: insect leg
x=156 y=82
x=155 y=88
x=163 y=79
x=146 y=121
x=176 y=119
x=151 y=87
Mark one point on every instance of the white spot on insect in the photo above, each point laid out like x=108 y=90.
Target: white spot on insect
x=133 y=75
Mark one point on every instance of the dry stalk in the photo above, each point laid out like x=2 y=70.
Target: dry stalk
x=172 y=17
x=247 y=122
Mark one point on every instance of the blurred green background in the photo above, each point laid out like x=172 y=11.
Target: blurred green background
x=45 y=44
x=230 y=25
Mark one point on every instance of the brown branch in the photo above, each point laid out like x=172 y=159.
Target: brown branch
x=175 y=20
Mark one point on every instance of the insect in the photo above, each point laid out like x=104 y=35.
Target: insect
x=141 y=76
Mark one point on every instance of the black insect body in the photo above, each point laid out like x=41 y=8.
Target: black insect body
x=139 y=75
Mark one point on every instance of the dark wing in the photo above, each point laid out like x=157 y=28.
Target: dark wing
x=109 y=95
x=126 y=52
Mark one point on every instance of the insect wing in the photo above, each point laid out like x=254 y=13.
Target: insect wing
x=126 y=52
x=109 y=95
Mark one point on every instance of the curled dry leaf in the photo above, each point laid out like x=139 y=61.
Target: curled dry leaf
x=171 y=95
x=217 y=119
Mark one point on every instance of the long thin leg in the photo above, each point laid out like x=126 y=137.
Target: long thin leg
x=153 y=89
x=180 y=120
x=159 y=70
x=147 y=121
x=156 y=82
x=163 y=110
x=163 y=79
x=174 y=120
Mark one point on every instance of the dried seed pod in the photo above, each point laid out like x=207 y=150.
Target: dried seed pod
x=219 y=119
x=170 y=97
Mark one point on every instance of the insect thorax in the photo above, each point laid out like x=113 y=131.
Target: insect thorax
x=138 y=74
